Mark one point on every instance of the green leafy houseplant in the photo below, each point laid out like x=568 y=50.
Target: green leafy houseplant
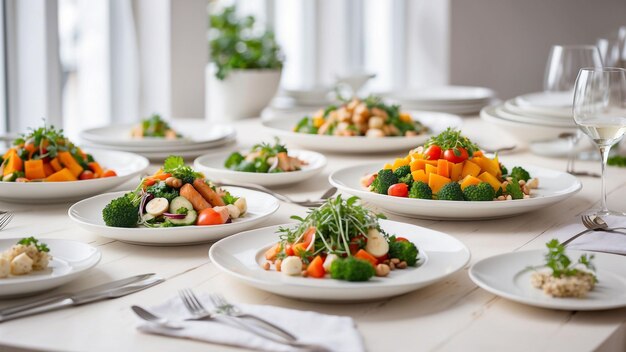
x=235 y=45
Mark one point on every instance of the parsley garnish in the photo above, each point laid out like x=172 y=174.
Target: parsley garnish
x=175 y=165
x=561 y=264
x=41 y=247
x=452 y=139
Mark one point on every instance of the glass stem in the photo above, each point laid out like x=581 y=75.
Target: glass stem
x=604 y=155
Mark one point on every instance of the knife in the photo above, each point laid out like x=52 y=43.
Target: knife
x=88 y=296
x=61 y=296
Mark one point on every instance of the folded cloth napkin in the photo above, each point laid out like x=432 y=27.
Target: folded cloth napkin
x=611 y=242
x=336 y=333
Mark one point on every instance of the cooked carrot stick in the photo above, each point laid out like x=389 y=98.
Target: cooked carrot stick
x=196 y=199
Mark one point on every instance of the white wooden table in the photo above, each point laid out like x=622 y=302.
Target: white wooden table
x=453 y=315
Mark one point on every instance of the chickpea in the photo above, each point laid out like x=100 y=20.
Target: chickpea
x=382 y=270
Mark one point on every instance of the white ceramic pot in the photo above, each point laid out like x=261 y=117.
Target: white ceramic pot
x=242 y=94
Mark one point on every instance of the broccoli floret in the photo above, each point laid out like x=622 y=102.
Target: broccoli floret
x=121 y=212
x=420 y=190
x=451 y=191
x=351 y=269
x=503 y=169
x=514 y=190
x=402 y=171
x=233 y=160
x=403 y=250
x=408 y=179
x=481 y=192
x=162 y=190
x=520 y=174
x=383 y=181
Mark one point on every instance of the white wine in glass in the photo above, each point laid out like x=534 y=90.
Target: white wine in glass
x=600 y=112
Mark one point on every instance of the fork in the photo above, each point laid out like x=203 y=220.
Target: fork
x=196 y=308
x=305 y=203
x=5 y=218
x=224 y=307
x=590 y=225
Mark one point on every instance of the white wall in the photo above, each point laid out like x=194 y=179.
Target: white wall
x=504 y=44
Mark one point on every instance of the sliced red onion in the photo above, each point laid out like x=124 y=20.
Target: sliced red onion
x=174 y=216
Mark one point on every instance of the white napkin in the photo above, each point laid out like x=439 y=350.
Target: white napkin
x=333 y=332
x=596 y=240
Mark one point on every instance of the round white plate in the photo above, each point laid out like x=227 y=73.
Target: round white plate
x=126 y=165
x=554 y=186
x=193 y=132
x=562 y=113
x=535 y=119
x=504 y=275
x=88 y=215
x=241 y=256
x=549 y=100
x=212 y=165
x=451 y=109
x=70 y=259
x=448 y=94
x=523 y=132
x=436 y=121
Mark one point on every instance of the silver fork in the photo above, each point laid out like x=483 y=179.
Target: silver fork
x=5 y=218
x=224 y=307
x=590 y=225
x=196 y=308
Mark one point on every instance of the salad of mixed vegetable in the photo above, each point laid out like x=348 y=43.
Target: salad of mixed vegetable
x=264 y=158
x=340 y=239
x=156 y=127
x=450 y=167
x=175 y=195
x=369 y=117
x=45 y=154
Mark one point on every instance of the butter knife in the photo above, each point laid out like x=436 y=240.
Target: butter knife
x=61 y=296
x=88 y=296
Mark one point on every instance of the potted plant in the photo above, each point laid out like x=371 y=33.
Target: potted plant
x=245 y=67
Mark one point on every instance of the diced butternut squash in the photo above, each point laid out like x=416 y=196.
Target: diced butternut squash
x=431 y=162
x=455 y=173
x=435 y=182
x=490 y=179
x=33 y=169
x=470 y=180
x=420 y=175
x=56 y=164
x=95 y=168
x=487 y=165
x=47 y=169
x=442 y=168
x=430 y=169
x=398 y=163
x=12 y=163
x=416 y=156
x=418 y=164
x=61 y=176
x=68 y=161
x=470 y=168
x=387 y=166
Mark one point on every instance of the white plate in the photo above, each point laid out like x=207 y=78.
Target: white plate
x=448 y=94
x=549 y=100
x=536 y=119
x=562 y=113
x=212 y=165
x=504 y=275
x=450 y=109
x=241 y=256
x=554 y=186
x=436 y=121
x=126 y=165
x=523 y=132
x=70 y=259
x=193 y=132
x=88 y=215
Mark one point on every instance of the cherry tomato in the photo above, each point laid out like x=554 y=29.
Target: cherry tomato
x=456 y=155
x=86 y=175
x=401 y=239
x=209 y=217
x=108 y=173
x=398 y=190
x=383 y=258
x=433 y=152
x=357 y=242
x=289 y=249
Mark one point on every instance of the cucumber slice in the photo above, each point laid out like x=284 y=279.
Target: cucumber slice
x=190 y=219
x=180 y=202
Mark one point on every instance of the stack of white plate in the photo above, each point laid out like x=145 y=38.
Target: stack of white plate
x=450 y=99
x=198 y=137
x=533 y=117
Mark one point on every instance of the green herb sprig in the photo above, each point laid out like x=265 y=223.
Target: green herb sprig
x=452 y=139
x=175 y=165
x=561 y=264
x=41 y=247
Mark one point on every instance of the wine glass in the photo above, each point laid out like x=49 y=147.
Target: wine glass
x=600 y=112
x=562 y=69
